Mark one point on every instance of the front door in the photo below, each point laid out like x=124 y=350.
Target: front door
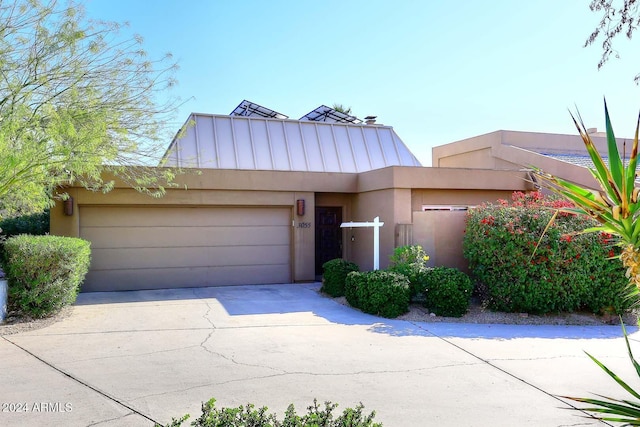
x=328 y=235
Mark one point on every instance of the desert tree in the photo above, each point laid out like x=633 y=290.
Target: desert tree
x=617 y=17
x=78 y=101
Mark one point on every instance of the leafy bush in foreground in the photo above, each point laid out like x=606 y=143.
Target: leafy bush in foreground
x=334 y=275
x=45 y=272
x=447 y=291
x=248 y=416
x=382 y=293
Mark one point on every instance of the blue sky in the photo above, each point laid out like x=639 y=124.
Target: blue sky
x=437 y=71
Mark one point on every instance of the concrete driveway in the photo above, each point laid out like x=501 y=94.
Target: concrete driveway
x=135 y=358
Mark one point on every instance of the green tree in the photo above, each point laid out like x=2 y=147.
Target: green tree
x=617 y=17
x=341 y=108
x=77 y=99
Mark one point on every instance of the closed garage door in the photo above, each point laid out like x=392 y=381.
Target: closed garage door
x=165 y=247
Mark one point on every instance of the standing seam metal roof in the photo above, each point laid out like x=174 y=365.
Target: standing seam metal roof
x=251 y=143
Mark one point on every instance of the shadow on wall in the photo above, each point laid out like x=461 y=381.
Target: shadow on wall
x=297 y=298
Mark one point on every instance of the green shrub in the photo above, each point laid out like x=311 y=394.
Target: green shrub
x=334 y=276
x=352 y=283
x=383 y=293
x=249 y=416
x=45 y=272
x=410 y=260
x=34 y=224
x=526 y=267
x=447 y=291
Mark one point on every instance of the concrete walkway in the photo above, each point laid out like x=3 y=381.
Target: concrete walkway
x=135 y=358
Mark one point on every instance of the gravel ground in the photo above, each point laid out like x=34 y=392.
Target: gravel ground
x=478 y=314
x=15 y=323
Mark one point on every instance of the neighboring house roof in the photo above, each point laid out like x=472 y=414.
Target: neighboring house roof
x=575 y=159
x=561 y=155
x=257 y=143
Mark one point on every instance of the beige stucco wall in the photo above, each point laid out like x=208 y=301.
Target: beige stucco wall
x=395 y=194
x=511 y=150
x=473 y=152
x=241 y=188
x=393 y=206
x=440 y=233
x=304 y=239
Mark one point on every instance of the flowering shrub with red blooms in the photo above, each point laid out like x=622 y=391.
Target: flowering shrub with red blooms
x=517 y=269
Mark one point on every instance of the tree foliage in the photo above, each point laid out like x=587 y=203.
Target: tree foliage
x=617 y=17
x=77 y=99
x=341 y=108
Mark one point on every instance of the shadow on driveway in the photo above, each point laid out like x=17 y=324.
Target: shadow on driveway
x=265 y=300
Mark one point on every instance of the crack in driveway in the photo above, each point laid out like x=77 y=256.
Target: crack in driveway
x=284 y=373
x=82 y=383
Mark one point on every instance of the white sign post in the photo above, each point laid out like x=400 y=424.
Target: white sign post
x=376 y=224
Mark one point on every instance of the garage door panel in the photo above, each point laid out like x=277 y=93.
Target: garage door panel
x=160 y=247
x=161 y=258
x=158 y=237
x=120 y=280
x=182 y=216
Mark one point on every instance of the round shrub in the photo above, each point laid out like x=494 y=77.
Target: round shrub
x=383 y=293
x=410 y=260
x=529 y=263
x=447 y=291
x=334 y=275
x=353 y=281
x=45 y=272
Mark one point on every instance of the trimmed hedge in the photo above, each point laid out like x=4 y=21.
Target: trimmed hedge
x=45 y=272
x=383 y=293
x=249 y=416
x=334 y=275
x=34 y=224
x=447 y=291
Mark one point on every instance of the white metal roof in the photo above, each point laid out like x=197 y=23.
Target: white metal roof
x=253 y=143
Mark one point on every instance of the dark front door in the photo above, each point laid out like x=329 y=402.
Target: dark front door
x=328 y=235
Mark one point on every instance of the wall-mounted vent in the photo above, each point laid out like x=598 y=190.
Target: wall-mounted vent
x=426 y=208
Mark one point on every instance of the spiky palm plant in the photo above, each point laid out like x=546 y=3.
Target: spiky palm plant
x=616 y=205
x=617 y=208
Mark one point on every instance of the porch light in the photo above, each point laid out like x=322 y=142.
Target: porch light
x=68 y=206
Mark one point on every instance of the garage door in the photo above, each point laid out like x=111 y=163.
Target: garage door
x=165 y=247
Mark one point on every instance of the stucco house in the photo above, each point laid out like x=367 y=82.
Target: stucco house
x=270 y=199
x=560 y=155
